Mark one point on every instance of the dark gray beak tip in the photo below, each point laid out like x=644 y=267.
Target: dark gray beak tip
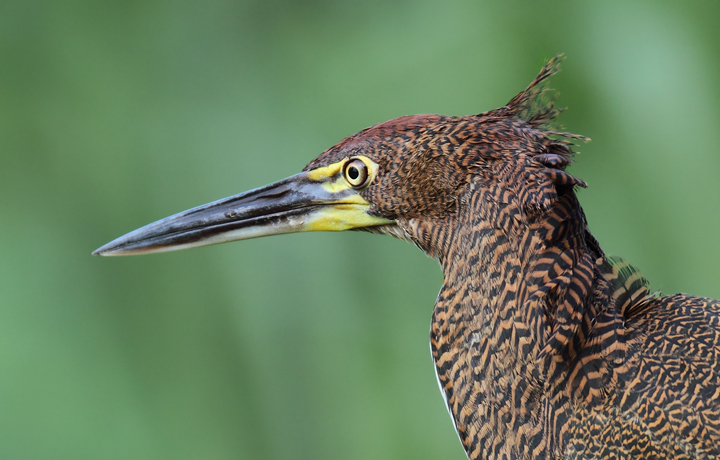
x=120 y=246
x=99 y=251
x=105 y=250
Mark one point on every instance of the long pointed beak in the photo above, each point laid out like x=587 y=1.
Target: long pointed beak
x=309 y=201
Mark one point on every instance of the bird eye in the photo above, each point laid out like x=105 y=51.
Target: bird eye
x=356 y=173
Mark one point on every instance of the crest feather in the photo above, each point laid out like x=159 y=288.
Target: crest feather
x=536 y=103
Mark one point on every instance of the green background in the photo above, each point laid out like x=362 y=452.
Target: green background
x=310 y=346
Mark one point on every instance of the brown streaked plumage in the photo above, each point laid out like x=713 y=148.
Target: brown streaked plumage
x=544 y=347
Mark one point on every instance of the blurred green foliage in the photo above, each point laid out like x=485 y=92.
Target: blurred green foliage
x=310 y=346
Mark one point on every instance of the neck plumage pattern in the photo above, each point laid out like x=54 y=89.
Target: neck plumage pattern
x=536 y=332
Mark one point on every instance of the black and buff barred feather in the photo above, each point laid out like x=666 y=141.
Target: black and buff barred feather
x=544 y=347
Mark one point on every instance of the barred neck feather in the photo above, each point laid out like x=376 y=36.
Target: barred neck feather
x=540 y=321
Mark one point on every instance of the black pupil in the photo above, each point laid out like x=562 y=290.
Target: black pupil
x=353 y=172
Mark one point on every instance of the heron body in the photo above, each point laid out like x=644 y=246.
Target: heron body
x=543 y=346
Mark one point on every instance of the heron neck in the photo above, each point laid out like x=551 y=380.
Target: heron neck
x=516 y=310
x=539 y=272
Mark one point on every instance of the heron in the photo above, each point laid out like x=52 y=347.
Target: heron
x=544 y=347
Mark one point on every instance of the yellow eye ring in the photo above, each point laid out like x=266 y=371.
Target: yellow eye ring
x=356 y=173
